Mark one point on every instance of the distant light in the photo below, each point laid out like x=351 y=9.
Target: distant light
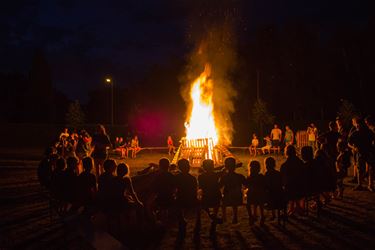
x=108 y=80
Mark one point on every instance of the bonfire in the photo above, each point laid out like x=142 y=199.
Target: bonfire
x=202 y=133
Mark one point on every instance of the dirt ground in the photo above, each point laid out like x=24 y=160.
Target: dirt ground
x=25 y=221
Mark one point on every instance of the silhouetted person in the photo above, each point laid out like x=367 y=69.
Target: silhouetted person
x=124 y=191
x=165 y=188
x=211 y=194
x=100 y=145
x=292 y=172
x=107 y=186
x=46 y=167
x=256 y=193
x=186 y=197
x=87 y=183
x=232 y=183
x=329 y=141
x=326 y=179
x=342 y=165
x=360 y=141
x=70 y=180
x=274 y=188
x=310 y=169
x=57 y=180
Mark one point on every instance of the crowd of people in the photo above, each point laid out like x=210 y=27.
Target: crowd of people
x=318 y=171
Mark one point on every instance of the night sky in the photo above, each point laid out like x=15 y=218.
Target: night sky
x=88 y=39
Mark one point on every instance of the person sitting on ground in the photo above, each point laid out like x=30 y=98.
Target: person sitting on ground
x=274 y=189
x=256 y=192
x=100 y=146
x=186 y=197
x=210 y=191
x=165 y=188
x=171 y=147
x=343 y=162
x=70 y=180
x=233 y=184
x=46 y=167
x=57 y=180
x=276 y=135
x=125 y=194
x=86 y=184
x=292 y=173
x=107 y=187
x=268 y=146
x=134 y=147
x=254 y=145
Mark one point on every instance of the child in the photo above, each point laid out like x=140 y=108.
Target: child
x=268 y=145
x=256 y=194
x=232 y=183
x=274 y=189
x=254 y=145
x=186 y=197
x=87 y=183
x=342 y=165
x=211 y=195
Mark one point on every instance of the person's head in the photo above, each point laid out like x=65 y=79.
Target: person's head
x=101 y=129
x=109 y=166
x=358 y=122
x=254 y=167
x=341 y=146
x=254 y=136
x=136 y=137
x=290 y=151
x=369 y=120
x=307 y=153
x=65 y=130
x=87 y=164
x=332 y=126
x=60 y=164
x=312 y=125
x=122 y=169
x=117 y=139
x=270 y=163
x=208 y=165
x=164 y=164
x=72 y=164
x=169 y=137
x=230 y=164
x=275 y=125
x=183 y=166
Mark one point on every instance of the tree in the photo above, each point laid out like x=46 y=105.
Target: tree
x=75 y=116
x=261 y=115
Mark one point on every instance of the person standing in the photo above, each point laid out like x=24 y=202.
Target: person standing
x=100 y=146
x=289 y=136
x=312 y=133
x=276 y=135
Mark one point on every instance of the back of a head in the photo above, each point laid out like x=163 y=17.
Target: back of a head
x=307 y=153
x=370 y=120
x=254 y=167
x=101 y=129
x=183 y=165
x=60 y=164
x=87 y=164
x=290 y=151
x=109 y=165
x=208 y=165
x=270 y=163
x=72 y=163
x=122 y=169
x=164 y=164
x=230 y=163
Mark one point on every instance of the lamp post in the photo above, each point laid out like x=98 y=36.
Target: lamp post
x=110 y=81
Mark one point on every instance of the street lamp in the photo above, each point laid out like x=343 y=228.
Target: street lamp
x=110 y=81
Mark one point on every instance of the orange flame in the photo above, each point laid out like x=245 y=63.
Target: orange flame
x=201 y=120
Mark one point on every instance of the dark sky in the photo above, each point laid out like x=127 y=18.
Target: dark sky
x=85 y=40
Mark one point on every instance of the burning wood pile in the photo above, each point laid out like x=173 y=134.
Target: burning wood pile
x=202 y=137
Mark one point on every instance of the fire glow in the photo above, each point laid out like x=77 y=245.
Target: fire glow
x=201 y=120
